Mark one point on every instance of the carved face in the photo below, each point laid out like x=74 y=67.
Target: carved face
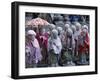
x=31 y=37
x=69 y=32
x=78 y=26
x=83 y=33
x=54 y=33
x=73 y=27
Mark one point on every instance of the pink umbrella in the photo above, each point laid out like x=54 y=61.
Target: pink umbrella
x=37 y=22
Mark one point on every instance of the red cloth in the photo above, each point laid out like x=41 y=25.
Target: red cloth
x=86 y=45
x=42 y=39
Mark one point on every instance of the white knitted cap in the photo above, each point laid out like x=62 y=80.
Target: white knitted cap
x=55 y=31
x=85 y=27
x=59 y=28
x=31 y=32
x=67 y=25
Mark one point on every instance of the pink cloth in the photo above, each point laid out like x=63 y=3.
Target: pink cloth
x=34 y=50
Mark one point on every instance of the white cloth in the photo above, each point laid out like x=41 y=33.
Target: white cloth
x=55 y=44
x=77 y=33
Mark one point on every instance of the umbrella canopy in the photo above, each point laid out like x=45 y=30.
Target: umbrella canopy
x=37 y=21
